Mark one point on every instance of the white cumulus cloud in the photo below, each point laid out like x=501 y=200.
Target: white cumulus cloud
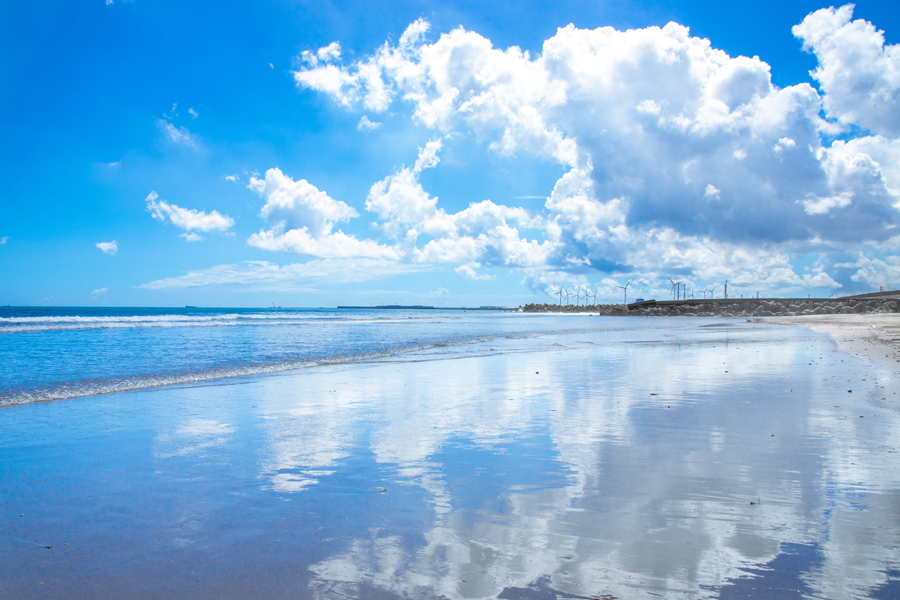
x=642 y=121
x=301 y=218
x=858 y=73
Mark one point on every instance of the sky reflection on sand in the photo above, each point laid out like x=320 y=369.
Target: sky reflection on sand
x=616 y=463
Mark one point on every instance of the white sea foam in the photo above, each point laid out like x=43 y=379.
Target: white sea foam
x=106 y=386
x=61 y=323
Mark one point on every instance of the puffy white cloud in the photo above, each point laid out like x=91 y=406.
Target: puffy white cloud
x=712 y=192
x=266 y=276
x=301 y=218
x=677 y=155
x=858 y=73
x=194 y=114
x=108 y=247
x=187 y=219
x=874 y=271
x=400 y=197
x=298 y=204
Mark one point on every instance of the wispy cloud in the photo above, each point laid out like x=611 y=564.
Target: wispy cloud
x=470 y=272
x=366 y=125
x=97 y=294
x=187 y=219
x=108 y=247
x=266 y=276
x=179 y=135
x=3 y=240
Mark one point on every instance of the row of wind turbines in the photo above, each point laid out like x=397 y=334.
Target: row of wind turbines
x=565 y=294
x=679 y=292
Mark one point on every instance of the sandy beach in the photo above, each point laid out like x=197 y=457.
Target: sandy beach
x=690 y=458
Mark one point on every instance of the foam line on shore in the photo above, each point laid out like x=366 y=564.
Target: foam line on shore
x=97 y=387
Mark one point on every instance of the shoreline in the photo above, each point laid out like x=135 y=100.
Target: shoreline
x=872 y=337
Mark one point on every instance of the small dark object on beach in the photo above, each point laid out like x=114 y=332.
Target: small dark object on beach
x=382 y=490
x=652 y=394
x=537 y=372
x=21 y=515
x=849 y=391
x=48 y=547
x=758 y=501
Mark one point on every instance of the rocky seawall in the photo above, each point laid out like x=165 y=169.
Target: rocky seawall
x=752 y=307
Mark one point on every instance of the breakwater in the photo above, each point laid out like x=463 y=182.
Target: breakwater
x=740 y=307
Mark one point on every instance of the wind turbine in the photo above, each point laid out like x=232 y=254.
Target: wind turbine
x=567 y=296
x=676 y=285
x=625 y=288
x=560 y=296
x=594 y=296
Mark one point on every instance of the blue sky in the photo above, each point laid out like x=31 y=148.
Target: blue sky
x=315 y=154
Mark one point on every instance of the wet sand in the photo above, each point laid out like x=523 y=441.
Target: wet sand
x=873 y=337
x=713 y=459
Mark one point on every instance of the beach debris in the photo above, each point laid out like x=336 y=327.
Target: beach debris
x=48 y=547
x=849 y=391
x=382 y=490
x=537 y=372
x=758 y=501
x=21 y=515
x=652 y=394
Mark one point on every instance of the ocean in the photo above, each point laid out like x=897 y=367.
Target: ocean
x=272 y=453
x=59 y=353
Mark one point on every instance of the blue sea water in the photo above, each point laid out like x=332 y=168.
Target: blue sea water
x=58 y=353
x=440 y=454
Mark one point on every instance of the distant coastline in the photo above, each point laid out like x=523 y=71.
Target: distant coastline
x=884 y=302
